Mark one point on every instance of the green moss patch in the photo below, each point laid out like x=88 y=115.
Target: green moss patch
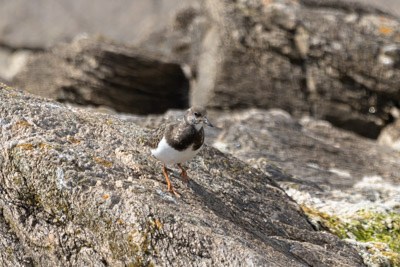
x=380 y=232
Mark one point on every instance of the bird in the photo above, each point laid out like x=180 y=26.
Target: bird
x=178 y=141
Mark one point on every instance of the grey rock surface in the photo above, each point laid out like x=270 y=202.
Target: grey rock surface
x=333 y=60
x=390 y=135
x=44 y=23
x=333 y=174
x=388 y=6
x=327 y=62
x=317 y=156
x=95 y=71
x=11 y=62
x=80 y=189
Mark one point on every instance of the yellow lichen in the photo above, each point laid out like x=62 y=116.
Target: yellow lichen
x=24 y=123
x=158 y=224
x=386 y=30
x=21 y=124
x=103 y=162
x=73 y=140
x=26 y=146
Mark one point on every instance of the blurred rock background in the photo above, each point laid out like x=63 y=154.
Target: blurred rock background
x=336 y=61
x=329 y=70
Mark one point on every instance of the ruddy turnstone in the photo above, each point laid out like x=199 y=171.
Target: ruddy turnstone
x=177 y=142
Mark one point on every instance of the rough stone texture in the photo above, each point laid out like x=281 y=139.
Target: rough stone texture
x=389 y=6
x=333 y=60
x=317 y=157
x=99 y=72
x=329 y=62
x=390 y=135
x=80 y=189
x=330 y=172
x=44 y=23
x=337 y=177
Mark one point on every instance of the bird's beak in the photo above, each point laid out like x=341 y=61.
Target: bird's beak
x=206 y=121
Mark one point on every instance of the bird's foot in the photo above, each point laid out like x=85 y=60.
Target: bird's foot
x=185 y=177
x=174 y=192
x=183 y=173
x=169 y=183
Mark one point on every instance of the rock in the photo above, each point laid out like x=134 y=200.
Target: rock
x=181 y=40
x=11 y=62
x=99 y=72
x=339 y=178
x=317 y=157
x=284 y=54
x=388 y=6
x=275 y=54
x=332 y=60
x=45 y=23
x=390 y=135
x=314 y=152
x=80 y=188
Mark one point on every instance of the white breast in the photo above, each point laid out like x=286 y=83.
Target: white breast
x=168 y=155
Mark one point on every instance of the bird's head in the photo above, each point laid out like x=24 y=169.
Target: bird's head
x=197 y=116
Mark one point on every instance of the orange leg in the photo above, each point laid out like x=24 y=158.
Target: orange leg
x=169 y=183
x=184 y=173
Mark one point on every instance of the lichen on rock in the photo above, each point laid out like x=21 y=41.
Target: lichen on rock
x=61 y=206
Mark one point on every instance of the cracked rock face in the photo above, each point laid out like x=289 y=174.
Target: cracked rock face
x=332 y=63
x=333 y=60
x=80 y=189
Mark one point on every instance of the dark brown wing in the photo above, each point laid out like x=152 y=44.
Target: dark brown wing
x=199 y=139
x=182 y=135
x=156 y=136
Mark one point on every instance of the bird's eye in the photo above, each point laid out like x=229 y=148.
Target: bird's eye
x=196 y=114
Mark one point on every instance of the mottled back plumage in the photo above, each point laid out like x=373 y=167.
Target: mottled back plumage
x=156 y=136
x=180 y=135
